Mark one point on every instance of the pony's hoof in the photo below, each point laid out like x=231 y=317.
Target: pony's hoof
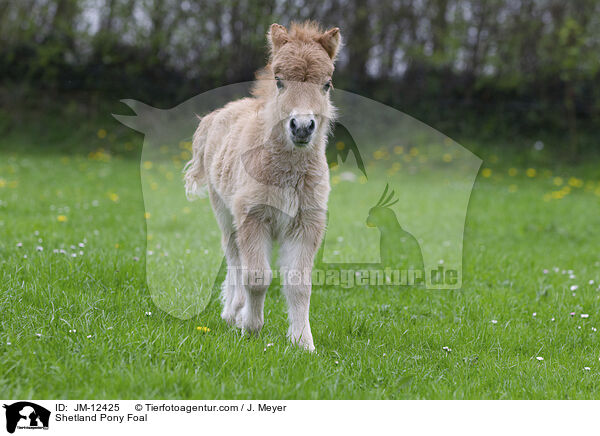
x=303 y=342
x=309 y=347
x=229 y=318
x=252 y=327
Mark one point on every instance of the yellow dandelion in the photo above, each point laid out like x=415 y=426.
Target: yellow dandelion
x=62 y=218
x=154 y=186
x=147 y=215
x=414 y=151
x=2 y=183
x=398 y=149
x=340 y=145
x=597 y=191
x=186 y=145
x=149 y=237
x=512 y=172
x=558 y=181
x=447 y=157
x=335 y=180
x=113 y=196
x=117 y=245
x=378 y=154
x=486 y=172
x=101 y=133
x=203 y=329
x=333 y=166
x=100 y=155
x=147 y=165
x=575 y=182
x=531 y=172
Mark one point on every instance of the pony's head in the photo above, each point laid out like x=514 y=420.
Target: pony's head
x=297 y=82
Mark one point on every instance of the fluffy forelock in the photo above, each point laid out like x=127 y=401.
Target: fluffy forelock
x=307 y=31
x=304 y=59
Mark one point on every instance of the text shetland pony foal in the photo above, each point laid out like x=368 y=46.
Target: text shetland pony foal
x=264 y=155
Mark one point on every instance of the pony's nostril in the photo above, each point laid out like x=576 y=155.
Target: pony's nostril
x=302 y=128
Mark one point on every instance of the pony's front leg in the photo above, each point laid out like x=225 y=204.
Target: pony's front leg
x=297 y=254
x=254 y=242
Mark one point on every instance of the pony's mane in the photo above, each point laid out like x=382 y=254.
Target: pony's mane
x=304 y=32
x=260 y=89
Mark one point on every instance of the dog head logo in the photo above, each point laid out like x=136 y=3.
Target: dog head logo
x=26 y=415
x=425 y=177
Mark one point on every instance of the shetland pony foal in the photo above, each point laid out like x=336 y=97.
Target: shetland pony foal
x=263 y=160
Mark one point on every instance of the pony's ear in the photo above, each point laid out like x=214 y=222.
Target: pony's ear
x=331 y=41
x=277 y=37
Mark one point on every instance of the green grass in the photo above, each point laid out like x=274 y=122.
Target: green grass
x=373 y=343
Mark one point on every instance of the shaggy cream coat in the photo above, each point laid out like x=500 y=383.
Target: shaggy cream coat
x=264 y=187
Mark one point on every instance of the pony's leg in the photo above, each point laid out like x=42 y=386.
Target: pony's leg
x=296 y=257
x=232 y=294
x=254 y=242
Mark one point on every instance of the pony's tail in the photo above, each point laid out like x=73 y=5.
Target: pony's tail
x=194 y=174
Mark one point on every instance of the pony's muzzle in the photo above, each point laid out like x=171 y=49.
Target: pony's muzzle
x=302 y=128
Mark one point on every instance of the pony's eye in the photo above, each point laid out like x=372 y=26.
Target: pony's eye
x=279 y=82
x=327 y=86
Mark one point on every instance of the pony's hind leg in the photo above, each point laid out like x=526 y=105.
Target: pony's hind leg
x=232 y=292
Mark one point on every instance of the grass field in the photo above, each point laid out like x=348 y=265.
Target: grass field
x=77 y=319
